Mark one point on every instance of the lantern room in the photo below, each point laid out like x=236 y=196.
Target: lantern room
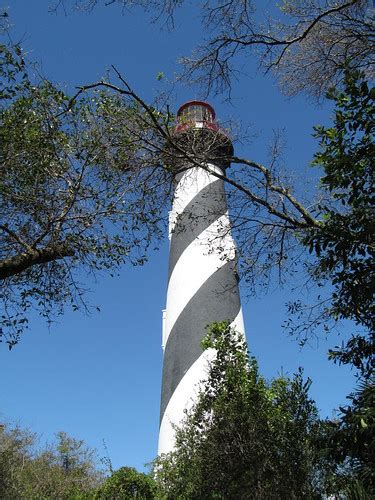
x=195 y=114
x=198 y=134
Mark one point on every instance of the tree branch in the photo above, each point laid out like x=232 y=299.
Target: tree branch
x=16 y=238
x=23 y=261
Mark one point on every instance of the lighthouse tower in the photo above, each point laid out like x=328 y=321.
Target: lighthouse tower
x=203 y=282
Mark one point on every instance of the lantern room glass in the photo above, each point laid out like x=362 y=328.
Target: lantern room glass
x=195 y=113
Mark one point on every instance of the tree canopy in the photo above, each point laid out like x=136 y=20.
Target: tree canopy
x=66 y=468
x=76 y=191
x=344 y=244
x=127 y=483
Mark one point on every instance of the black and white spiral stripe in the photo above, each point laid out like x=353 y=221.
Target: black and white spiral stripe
x=202 y=288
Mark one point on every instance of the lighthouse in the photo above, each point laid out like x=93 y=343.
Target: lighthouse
x=202 y=275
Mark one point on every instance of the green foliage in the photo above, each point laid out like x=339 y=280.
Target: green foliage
x=352 y=439
x=245 y=437
x=78 y=190
x=127 y=483
x=344 y=242
x=342 y=246
x=13 y=75
x=65 y=469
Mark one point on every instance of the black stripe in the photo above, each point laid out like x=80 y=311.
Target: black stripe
x=207 y=206
x=216 y=300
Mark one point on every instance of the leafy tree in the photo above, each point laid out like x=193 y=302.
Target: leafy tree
x=351 y=440
x=344 y=243
x=62 y=470
x=127 y=483
x=245 y=437
x=76 y=193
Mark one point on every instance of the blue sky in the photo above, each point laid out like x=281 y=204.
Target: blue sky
x=98 y=377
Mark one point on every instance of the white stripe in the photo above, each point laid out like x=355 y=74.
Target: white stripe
x=164 y=315
x=184 y=396
x=186 y=393
x=238 y=323
x=201 y=259
x=191 y=183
